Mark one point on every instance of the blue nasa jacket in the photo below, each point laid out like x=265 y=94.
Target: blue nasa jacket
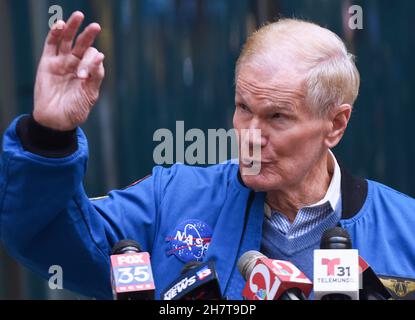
x=178 y=214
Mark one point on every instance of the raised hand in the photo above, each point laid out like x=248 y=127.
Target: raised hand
x=69 y=76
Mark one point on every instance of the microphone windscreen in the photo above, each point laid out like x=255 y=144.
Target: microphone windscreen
x=336 y=238
x=126 y=245
x=246 y=262
x=190 y=265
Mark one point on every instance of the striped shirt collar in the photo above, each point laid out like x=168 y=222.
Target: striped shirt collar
x=332 y=196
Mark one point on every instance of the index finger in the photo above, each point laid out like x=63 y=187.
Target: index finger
x=86 y=39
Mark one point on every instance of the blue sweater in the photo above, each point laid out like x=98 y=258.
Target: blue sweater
x=299 y=250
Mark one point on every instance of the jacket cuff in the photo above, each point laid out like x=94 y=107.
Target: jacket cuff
x=44 y=141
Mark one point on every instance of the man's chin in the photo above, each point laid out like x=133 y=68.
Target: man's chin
x=258 y=183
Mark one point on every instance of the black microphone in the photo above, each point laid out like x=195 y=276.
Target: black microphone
x=335 y=264
x=371 y=288
x=336 y=238
x=198 y=281
x=131 y=274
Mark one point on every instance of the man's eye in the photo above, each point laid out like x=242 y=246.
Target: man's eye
x=244 y=107
x=277 y=115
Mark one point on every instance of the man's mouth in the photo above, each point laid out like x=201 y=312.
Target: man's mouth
x=251 y=162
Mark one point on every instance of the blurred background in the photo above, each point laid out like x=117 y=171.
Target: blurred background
x=171 y=60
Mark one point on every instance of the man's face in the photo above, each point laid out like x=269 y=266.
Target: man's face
x=292 y=136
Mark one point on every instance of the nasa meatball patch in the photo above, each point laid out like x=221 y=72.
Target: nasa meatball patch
x=190 y=240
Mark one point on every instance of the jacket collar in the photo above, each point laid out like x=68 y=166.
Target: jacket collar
x=354 y=193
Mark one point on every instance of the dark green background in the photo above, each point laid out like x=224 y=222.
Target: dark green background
x=170 y=60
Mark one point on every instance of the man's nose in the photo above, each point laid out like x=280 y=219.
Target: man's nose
x=257 y=135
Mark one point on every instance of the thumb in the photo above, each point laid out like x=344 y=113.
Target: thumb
x=91 y=67
x=97 y=71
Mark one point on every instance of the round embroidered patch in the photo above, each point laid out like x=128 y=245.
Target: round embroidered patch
x=190 y=240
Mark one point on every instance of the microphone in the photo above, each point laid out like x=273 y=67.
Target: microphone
x=131 y=275
x=336 y=267
x=198 y=281
x=371 y=287
x=269 y=279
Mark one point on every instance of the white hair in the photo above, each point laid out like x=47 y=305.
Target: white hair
x=330 y=74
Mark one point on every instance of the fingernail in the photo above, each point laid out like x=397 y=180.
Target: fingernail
x=83 y=73
x=58 y=25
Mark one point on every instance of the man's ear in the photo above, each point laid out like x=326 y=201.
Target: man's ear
x=339 y=118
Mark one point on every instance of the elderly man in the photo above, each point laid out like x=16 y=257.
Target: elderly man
x=295 y=81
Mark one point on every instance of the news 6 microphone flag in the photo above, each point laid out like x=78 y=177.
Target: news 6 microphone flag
x=198 y=281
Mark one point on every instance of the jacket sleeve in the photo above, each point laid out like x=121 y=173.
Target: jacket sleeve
x=47 y=219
